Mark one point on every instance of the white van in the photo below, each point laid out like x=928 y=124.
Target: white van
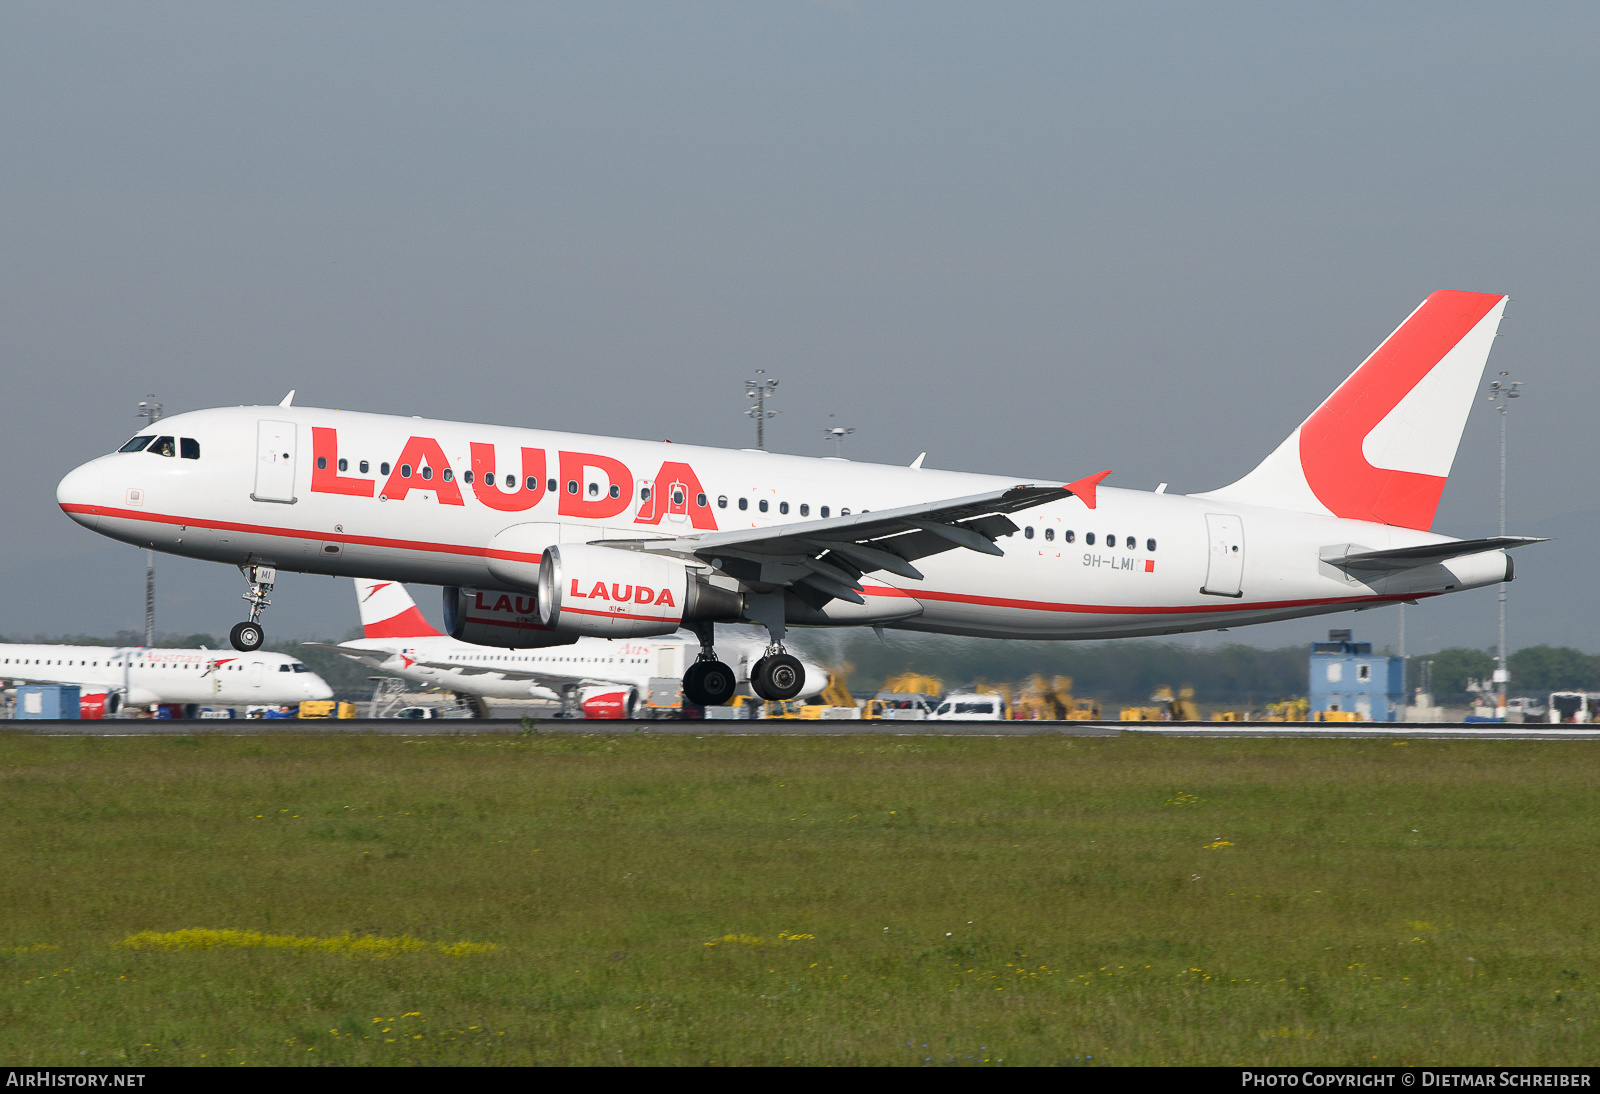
x=970 y=707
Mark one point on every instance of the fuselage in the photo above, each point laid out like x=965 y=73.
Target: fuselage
x=420 y=500
x=146 y=676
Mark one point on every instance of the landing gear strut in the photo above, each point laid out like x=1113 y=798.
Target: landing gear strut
x=247 y=637
x=779 y=675
x=709 y=682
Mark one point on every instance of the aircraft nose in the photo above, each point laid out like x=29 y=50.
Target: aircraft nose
x=318 y=689
x=80 y=493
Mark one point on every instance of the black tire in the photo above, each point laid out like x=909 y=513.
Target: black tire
x=778 y=677
x=709 y=684
x=247 y=637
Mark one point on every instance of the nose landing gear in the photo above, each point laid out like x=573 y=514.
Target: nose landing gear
x=709 y=682
x=247 y=637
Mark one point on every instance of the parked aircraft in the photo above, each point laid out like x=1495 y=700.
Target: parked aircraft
x=145 y=677
x=616 y=538
x=397 y=639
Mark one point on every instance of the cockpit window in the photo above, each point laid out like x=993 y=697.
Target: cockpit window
x=298 y=667
x=283 y=668
x=189 y=448
x=138 y=443
x=163 y=446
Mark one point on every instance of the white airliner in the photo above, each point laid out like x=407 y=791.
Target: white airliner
x=615 y=538
x=397 y=639
x=143 y=677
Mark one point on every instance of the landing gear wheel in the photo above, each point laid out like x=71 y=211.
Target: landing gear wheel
x=246 y=637
x=708 y=684
x=778 y=677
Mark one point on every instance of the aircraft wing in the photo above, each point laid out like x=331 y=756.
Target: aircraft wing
x=1354 y=557
x=822 y=560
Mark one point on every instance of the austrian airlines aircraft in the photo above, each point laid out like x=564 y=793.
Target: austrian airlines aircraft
x=615 y=538
x=140 y=677
x=398 y=639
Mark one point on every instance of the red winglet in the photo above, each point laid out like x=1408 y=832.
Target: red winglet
x=1084 y=488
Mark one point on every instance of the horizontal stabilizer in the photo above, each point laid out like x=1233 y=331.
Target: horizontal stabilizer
x=1353 y=557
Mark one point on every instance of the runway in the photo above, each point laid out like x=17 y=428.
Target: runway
x=450 y=727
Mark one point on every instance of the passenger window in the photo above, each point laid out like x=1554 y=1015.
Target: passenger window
x=1049 y=534
x=572 y=486
x=344 y=465
x=722 y=501
x=616 y=491
x=700 y=500
x=744 y=503
x=762 y=505
x=1111 y=541
x=1149 y=545
x=845 y=512
x=137 y=444
x=644 y=493
x=449 y=474
x=1027 y=533
x=550 y=485
x=488 y=478
x=1132 y=543
x=427 y=472
x=783 y=507
x=405 y=471
x=322 y=463
x=164 y=446
x=1088 y=538
x=1069 y=535
x=189 y=449
x=594 y=489
x=466 y=477
x=364 y=466
x=383 y=468
x=805 y=510
x=824 y=510
x=677 y=496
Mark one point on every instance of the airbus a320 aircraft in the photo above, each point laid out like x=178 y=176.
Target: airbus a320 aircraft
x=141 y=677
x=398 y=639
x=616 y=538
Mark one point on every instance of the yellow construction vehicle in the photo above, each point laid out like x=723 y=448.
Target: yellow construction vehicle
x=326 y=708
x=1290 y=710
x=1166 y=709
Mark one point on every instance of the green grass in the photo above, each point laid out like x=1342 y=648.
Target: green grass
x=1030 y=900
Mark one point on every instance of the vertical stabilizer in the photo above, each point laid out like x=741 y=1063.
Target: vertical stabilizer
x=387 y=611
x=1381 y=446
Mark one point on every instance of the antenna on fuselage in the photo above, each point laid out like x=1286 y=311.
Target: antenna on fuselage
x=288 y=400
x=150 y=411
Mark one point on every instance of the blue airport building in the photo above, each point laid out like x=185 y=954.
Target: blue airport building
x=1347 y=676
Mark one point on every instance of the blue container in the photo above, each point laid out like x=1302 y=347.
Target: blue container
x=48 y=702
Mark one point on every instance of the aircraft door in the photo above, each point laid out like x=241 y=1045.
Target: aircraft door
x=1225 y=555
x=257 y=674
x=275 y=452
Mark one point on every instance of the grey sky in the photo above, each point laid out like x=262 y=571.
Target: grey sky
x=1037 y=239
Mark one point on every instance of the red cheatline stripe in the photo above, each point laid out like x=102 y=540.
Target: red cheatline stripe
x=873 y=590
x=477 y=622
x=621 y=615
x=1131 y=609
x=300 y=533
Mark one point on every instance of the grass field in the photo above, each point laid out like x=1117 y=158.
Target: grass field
x=667 y=900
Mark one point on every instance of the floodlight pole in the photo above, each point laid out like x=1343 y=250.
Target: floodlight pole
x=150 y=411
x=760 y=391
x=1501 y=392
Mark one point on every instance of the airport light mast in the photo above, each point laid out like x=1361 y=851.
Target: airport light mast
x=760 y=391
x=1501 y=392
x=837 y=434
x=150 y=411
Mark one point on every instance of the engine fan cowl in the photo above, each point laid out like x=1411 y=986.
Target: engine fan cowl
x=603 y=592
x=508 y=621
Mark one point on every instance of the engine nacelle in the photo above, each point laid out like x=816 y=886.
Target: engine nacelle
x=603 y=592
x=608 y=701
x=505 y=620
x=104 y=704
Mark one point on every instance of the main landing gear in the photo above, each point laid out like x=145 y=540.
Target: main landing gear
x=709 y=682
x=778 y=675
x=247 y=637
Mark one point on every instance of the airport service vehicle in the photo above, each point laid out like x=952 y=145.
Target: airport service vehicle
x=602 y=676
x=629 y=539
x=147 y=677
x=963 y=706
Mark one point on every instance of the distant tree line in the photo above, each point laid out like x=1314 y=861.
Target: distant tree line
x=1535 y=670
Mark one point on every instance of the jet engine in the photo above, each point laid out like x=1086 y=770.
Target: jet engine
x=505 y=620
x=603 y=592
x=609 y=701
